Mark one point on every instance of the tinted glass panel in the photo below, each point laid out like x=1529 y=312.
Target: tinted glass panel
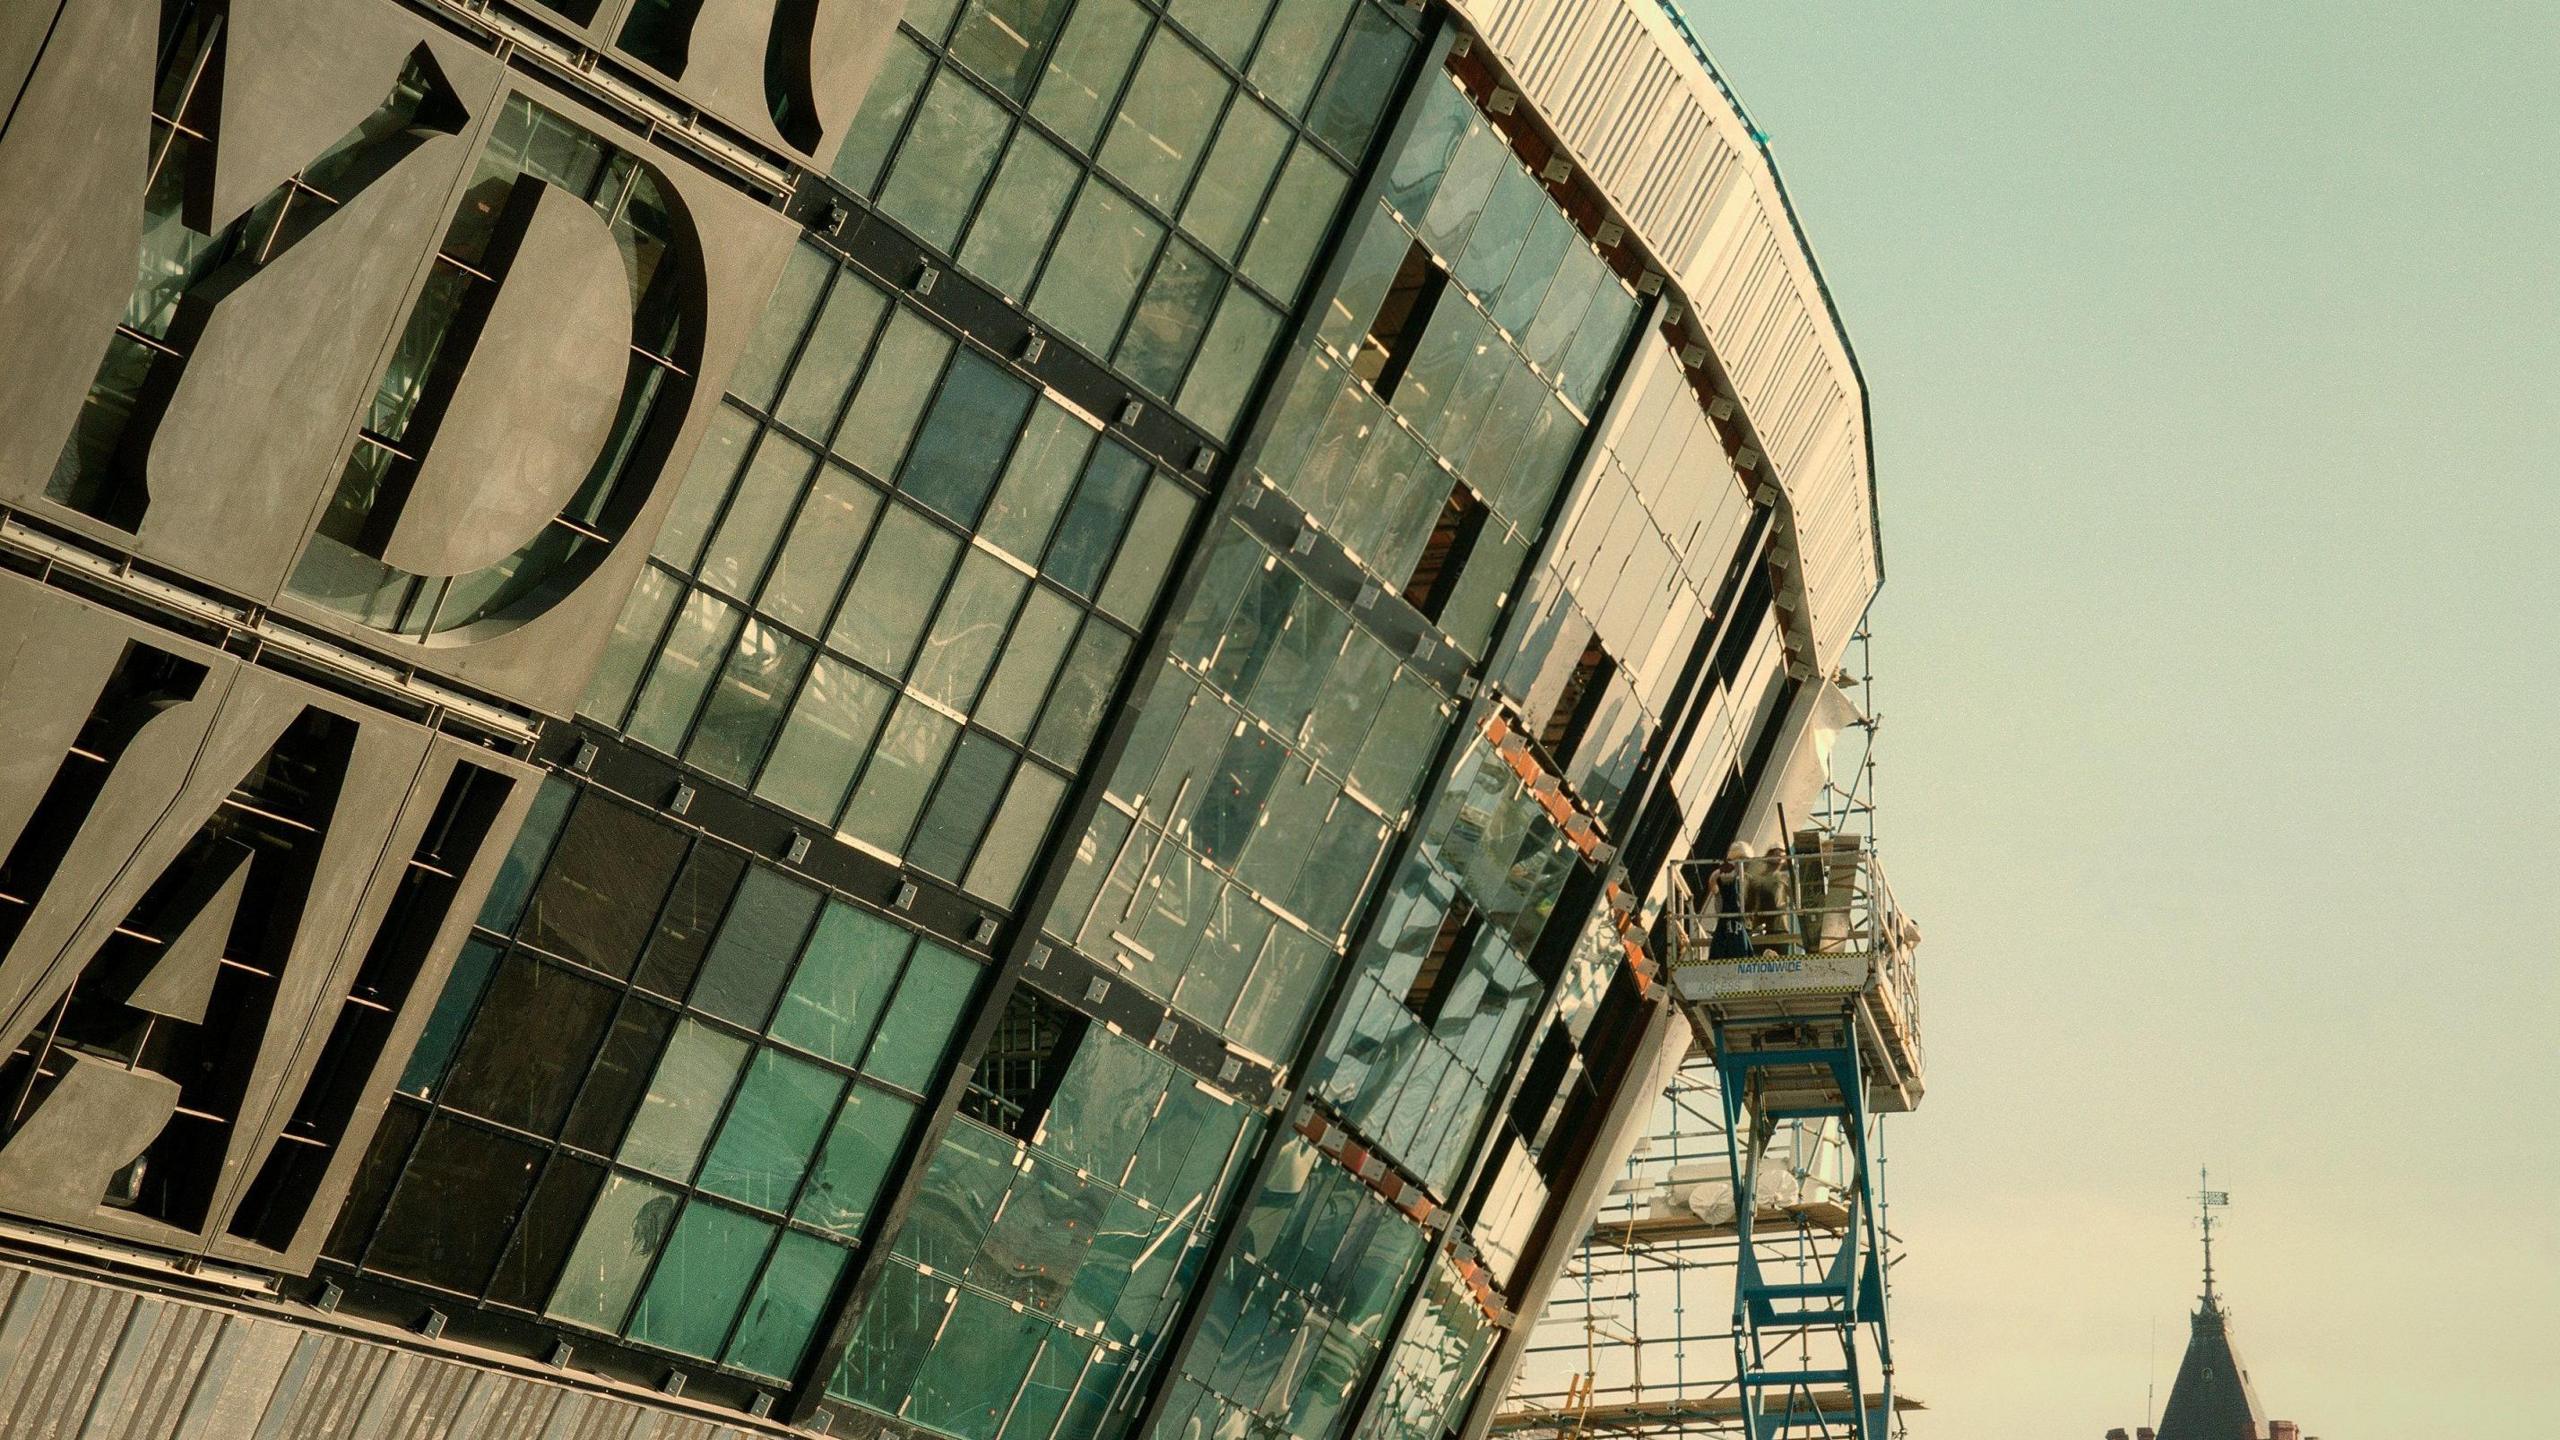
x=529 y=1045
x=772 y=1131
x=860 y=1148
x=596 y=905
x=701 y=1280
x=757 y=941
x=923 y=1017
x=454 y=1207
x=844 y=978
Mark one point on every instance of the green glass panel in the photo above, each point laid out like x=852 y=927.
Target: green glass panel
x=1082 y=548
x=860 y=1148
x=1002 y=40
x=948 y=151
x=532 y=846
x=1559 y=320
x=1509 y=212
x=1551 y=238
x=1364 y=75
x=962 y=803
x=1120 y=1242
x=1164 y=120
x=786 y=317
x=453 y=1011
x=845 y=976
x=1222 y=206
x=696 y=646
x=885 y=107
x=894 y=391
x=1596 y=342
x=962 y=444
x=833 y=356
x=1295 y=47
x=747 y=706
x=623 y=1234
x=782 y=1316
x=1378 y=251
x=1293 y=818
x=1337 y=870
x=885 y=609
x=1170 y=318
x=1081 y=82
x=1051 y=1384
x=1094 y=274
x=772 y=1130
x=829 y=732
x=932 y=18
x=755 y=948
x=1280 y=998
x=1084 y=687
x=1146 y=556
x=1293 y=224
x=632 y=645
x=1235 y=935
x=968 y=1384
x=1293 y=676
x=923 y=1018
x=1413 y=177
x=684 y=1101
x=801 y=591
x=1095 y=852
x=1240 y=339
x=968 y=629
x=1020 y=213
x=1102 y=1105
x=701 y=1280
x=1349 y=705
x=1046 y=461
x=706 y=487
x=957 y=1199
x=1481 y=158
x=1031 y=655
x=1041 y=1236
x=897 y=1329
x=1159 y=720
x=1004 y=857
x=901 y=774
x=1227 y=27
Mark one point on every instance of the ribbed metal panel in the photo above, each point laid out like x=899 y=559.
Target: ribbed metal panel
x=1643 y=119
x=84 y=1359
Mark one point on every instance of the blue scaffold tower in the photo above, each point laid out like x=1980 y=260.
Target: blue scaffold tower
x=1795 y=969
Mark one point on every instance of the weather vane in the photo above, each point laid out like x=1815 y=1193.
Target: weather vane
x=2207 y=1198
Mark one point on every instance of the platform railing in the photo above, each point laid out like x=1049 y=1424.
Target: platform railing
x=1819 y=894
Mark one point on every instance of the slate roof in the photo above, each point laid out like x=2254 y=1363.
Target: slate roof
x=2212 y=1398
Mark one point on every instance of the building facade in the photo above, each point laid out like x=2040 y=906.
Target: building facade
x=816 y=716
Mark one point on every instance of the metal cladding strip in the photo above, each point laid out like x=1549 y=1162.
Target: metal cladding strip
x=1508 y=734
x=83 y=1358
x=1651 y=125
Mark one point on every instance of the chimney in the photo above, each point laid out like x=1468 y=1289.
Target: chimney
x=2116 y=1434
x=2283 y=1430
x=2144 y=1434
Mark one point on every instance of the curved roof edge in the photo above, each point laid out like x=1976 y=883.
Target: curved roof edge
x=1630 y=92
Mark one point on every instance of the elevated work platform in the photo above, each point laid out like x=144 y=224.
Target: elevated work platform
x=1768 y=950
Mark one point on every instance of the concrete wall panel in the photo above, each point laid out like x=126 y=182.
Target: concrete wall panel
x=72 y=162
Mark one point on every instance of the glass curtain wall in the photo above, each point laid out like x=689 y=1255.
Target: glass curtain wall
x=660 y=1095
x=1152 y=182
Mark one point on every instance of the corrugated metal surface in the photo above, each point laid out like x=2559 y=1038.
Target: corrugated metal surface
x=83 y=1359
x=1652 y=130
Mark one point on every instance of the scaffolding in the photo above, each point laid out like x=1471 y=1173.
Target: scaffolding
x=1735 y=1281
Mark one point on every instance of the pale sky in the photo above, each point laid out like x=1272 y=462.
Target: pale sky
x=2213 y=347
